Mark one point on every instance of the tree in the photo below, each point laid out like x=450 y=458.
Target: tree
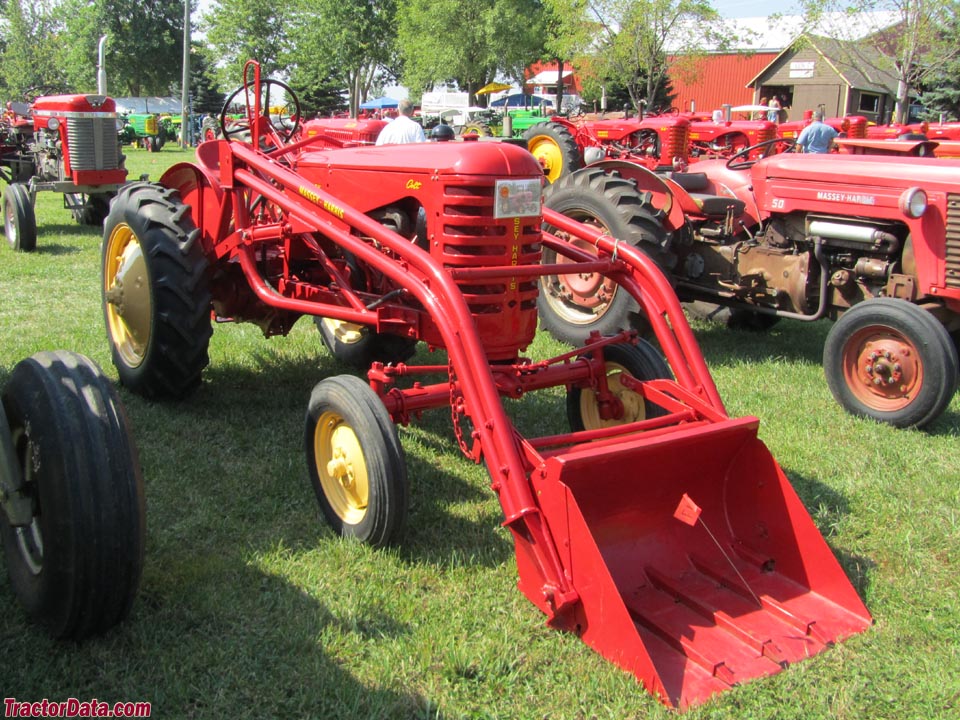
x=909 y=40
x=241 y=30
x=628 y=40
x=32 y=54
x=941 y=87
x=469 y=44
x=144 y=46
x=631 y=39
x=350 y=42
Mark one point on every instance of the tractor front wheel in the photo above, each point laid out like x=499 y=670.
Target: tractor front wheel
x=360 y=347
x=554 y=148
x=75 y=555
x=642 y=362
x=19 y=220
x=355 y=461
x=889 y=360
x=574 y=304
x=156 y=296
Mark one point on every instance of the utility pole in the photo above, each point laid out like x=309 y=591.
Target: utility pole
x=185 y=91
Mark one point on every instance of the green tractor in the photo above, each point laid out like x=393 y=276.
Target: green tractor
x=146 y=130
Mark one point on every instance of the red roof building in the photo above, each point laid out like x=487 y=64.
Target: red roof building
x=717 y=80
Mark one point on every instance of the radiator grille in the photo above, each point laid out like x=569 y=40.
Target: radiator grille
x=93 y=143
x=952 y=275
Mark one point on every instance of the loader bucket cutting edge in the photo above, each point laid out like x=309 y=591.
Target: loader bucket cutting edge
x=750 y=587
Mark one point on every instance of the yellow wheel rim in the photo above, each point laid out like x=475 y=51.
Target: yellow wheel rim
x=345 y=332
x=548 y=154
x=341 y=467
x=126 y=286
x=634 y=408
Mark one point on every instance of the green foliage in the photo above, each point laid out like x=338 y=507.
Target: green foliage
x=240 y=30
x=915 y=49
x=319 y=94
x=624 y=43
x=941 y=86
x=469 y=44
x=349 y=43
x=31 y=48
x=144 y=47
x=203 y=82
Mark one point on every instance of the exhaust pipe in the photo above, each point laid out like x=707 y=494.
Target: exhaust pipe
x=101 y=70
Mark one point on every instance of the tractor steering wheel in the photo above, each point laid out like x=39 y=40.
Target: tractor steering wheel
x=279 y=108
x=736 y=161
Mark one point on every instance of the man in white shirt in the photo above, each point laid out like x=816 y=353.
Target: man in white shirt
x=402 y=129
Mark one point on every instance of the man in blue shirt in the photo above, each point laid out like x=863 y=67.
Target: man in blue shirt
x=817 y=137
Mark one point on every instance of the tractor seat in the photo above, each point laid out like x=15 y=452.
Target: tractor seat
x=690 y=181
x=717 y=205
x=706 y=204
x=20 y=108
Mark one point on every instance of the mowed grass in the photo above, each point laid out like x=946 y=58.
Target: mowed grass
x=251 y=608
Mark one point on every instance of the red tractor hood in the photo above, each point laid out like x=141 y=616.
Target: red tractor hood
x=473 y=158
x=60 y=104
x=862 y=170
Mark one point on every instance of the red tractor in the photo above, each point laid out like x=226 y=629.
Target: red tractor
x=62 y=143
x=385 y=247
x=726 y=137
x=869 y=241
x=851 y=127
x=562 y=146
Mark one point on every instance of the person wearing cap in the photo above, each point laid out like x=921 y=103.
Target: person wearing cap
x=817 y=137
x=403 y=128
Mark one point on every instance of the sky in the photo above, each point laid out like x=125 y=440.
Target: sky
x=752 y=8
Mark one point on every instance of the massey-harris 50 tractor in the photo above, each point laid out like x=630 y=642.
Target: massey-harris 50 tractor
x=609 y=519
x=869 y=241
x=62 y=143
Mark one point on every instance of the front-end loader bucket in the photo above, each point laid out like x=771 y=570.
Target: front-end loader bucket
x=695 y=565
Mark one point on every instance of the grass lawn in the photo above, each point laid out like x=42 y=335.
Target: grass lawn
x=250 y=607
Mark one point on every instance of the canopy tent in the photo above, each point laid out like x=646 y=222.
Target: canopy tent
x=521 y=100
x=126 y=105
x=380 y=103
x=493 y=87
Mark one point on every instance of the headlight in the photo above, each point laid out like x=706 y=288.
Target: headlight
x=913 y=202
x=53 y=123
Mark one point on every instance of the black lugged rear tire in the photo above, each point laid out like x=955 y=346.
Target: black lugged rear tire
x=159 y=329
x=609 y=201
x=76 y=567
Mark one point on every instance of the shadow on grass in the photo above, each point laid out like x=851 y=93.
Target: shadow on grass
x=44 y=248
x=248 y=421
x=788 y=339
x=828 y=508
x=210 y=637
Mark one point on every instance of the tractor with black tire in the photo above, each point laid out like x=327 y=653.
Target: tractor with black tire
x=869 y=241
x=563 y=145
x=67 y=144
x=441 y=243
x=72 y=517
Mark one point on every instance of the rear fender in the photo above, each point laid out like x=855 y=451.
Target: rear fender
x=663 y=191
x=200 y=189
